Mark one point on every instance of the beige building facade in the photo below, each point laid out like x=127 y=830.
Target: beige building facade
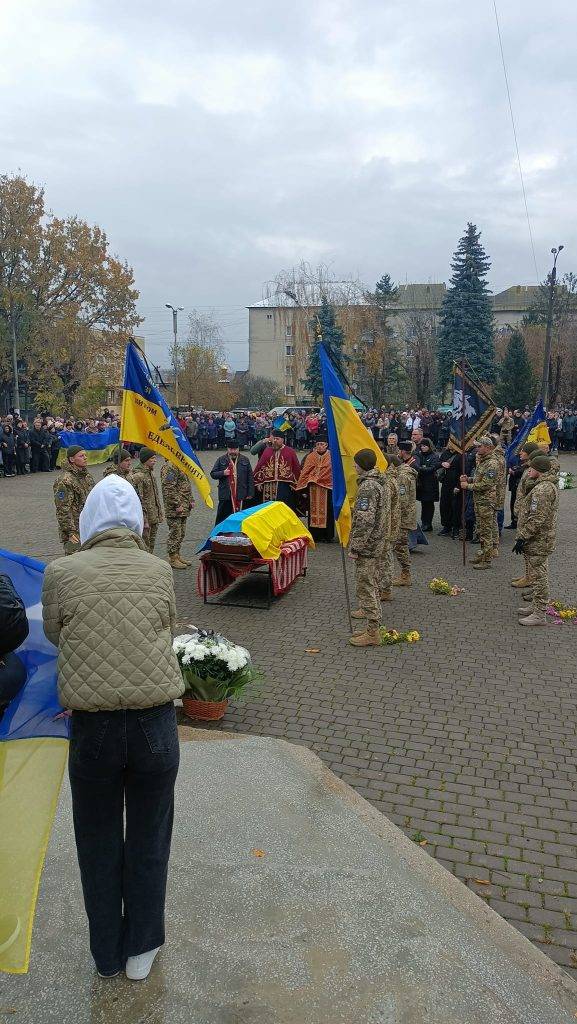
x=280 y=335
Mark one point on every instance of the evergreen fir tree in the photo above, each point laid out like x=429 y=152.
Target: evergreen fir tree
x=333 y=339
x=516 y=381
x=466 y=317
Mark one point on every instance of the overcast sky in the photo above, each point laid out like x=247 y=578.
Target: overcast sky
x=220 y=142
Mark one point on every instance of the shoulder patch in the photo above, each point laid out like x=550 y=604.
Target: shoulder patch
x=491 y=474
x=534 y=504
x=60 y=495
x=170 y=475
x=402 y=489
x=363 y=504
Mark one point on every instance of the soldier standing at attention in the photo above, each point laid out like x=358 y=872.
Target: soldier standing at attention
x=369 y=529
x=501 y=491
x=122 y=467
x=483 y=484
x=144 y=482
x=178 y=504
x=525 y=484
x=386 y=564
x=536 y=536
x=71 y=489
x=407 y=475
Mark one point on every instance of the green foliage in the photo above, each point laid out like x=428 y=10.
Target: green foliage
x=333 y=340
x=516 y=382
x=466 y=317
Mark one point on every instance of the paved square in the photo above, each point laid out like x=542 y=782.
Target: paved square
x=467 y=740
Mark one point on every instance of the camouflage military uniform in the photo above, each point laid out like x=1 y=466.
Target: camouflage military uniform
x=483 y=484
x=144 y=482
x=407 y=480
x=526 y=484
x=370 y=526
x=386 y=565
x=178 y=503
x=501 y=491
x=115 y=468
x=71 y=489
x=538 y=529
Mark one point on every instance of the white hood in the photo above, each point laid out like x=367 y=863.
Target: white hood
x=112 y=502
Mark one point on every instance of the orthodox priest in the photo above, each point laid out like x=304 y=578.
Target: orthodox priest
x=235 y=482
x=316 y=481
x=277 y=471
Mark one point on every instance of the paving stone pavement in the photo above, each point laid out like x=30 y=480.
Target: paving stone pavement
x=466 y=740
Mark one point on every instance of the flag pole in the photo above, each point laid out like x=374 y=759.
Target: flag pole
x=346 y=580
x=463 y=530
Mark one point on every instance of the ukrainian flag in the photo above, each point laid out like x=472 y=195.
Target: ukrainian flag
x=98 y=447
x=33 y=751
x=281 y=424
x=535 y=429
x=146 y=419
x=347 y=435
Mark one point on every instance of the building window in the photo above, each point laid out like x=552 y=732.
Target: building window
x=289 y=330
x=289 y=389
x=290 y=350
x=289 y=370
x=269 y=316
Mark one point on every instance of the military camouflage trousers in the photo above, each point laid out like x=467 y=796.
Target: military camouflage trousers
x=402 y=550
x=368 y=590
x=386 y=568
x=176 y=532
x=539 y=575
x=485 y=519
x=149 y=536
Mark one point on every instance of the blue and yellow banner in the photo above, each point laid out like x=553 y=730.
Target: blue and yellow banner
x=535 y=429
x=33 y=751
x=281 y=424
x=472 y=412
x=347 y=435
x=146 y=419
x=98 y=447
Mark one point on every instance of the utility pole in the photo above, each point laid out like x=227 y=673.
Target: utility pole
x=15 y=363
x=175 y=311
x=549 y=328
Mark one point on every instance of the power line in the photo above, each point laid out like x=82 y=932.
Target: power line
x=516 y=142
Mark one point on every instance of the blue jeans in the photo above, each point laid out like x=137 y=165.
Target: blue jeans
x=123 y=763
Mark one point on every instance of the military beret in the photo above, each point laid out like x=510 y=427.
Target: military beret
x=121 y=454
x=529 y=447
x=542 y=463
x=146 y=454
x=73 y=450
x=366 y=459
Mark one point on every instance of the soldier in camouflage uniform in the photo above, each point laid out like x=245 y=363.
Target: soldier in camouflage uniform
x=121 y=465
x=525 y=452
x=71 y=489
x=386 y=563
x=144 y=482
x=407 y=476
x=483 y=484
x=501 y=491
x=536 y=536
x=369 y=528
x=178 y=504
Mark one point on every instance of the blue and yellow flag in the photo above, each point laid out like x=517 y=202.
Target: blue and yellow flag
x=33 y=751
x=281 y=424
x=98 y=447
x=535 y=429
x=473 y=412
x=269 y=526
x=146 y=419
x=347 y=435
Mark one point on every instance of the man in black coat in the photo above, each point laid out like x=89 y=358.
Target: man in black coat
x=427 y=483
x=450 y=470
x=235 y=482
x=40 y=445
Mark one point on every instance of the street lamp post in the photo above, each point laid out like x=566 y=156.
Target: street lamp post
x=175 y=311
x=549 y=328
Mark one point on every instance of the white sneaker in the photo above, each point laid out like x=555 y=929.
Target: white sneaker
x=138 y=967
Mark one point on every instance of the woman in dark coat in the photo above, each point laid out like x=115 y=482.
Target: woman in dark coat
x=427 y=483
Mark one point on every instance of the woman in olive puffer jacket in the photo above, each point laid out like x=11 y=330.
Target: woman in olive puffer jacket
x=110 y=609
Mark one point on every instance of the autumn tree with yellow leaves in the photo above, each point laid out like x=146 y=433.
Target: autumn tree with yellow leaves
x=67 y=306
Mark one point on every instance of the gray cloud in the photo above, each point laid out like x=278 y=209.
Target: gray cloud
x=218 y=143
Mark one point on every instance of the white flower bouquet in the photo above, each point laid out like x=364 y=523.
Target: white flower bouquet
x=213 y=668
